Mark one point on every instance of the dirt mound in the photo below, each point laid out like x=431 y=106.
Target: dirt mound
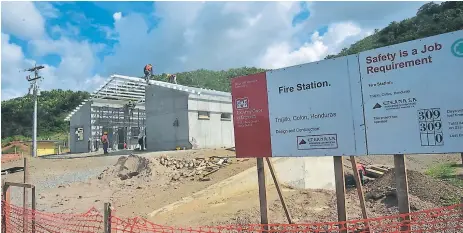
x=128 y=167
x=425 y=188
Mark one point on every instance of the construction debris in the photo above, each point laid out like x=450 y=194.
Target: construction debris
x=376 y=171
x=12 y=170
x=128 y=167
x=189 y=168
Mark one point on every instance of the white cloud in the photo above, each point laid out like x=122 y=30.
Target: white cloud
x=188 y=36
x=221 y=35
x=75 y=70
x=78 y=59
x=47 y=9
x=14 y=82
x=22 y=19
x=338 y=36
x=117 y=16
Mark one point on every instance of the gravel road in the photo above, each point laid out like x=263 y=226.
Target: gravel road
x=48 y=182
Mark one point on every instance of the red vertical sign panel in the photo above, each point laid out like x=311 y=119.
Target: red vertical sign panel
x=251 y=116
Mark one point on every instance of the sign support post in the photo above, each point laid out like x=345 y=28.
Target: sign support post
x=402 y=190
x=280 y=194
x=340 y=191
x=262 y=193
x=358 y=184
x=381 y=90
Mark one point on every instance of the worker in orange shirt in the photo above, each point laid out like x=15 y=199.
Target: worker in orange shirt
x=148 y=70
x=105 y=141
x=361 y=171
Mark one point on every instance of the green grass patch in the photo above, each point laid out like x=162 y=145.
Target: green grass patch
x=447 y=172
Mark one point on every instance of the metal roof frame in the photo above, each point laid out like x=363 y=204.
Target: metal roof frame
x=126 y=88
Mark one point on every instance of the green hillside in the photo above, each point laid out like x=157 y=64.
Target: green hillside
x=56 y=104
x=215 y=80
x=53 y=106
x=431 y=19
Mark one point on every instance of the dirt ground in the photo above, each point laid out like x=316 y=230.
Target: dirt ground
x=140 y=185
x=131 y=197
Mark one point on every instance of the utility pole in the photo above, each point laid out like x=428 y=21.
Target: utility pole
x=34 y=87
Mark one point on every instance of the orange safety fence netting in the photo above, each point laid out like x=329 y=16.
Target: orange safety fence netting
x=17 y=219
x=446 y=220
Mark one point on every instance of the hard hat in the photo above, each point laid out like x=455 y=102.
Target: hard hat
x=105 y=133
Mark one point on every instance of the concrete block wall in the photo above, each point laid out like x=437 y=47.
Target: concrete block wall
x=215 y=131
x=80 y=119
x=164 y=108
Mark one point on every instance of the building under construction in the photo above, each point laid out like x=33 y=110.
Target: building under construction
x=178 y=117
x=117 y=107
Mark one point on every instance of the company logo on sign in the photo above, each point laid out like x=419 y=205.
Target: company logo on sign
x=377 y=105
x=322 y=141
x=399 y=103
x=457 y=48
x=242 y=103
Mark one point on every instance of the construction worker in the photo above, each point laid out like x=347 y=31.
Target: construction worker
x=361 y=171
x=172 y=78
x=148 y=70
x=140 y=141
x=105 y=141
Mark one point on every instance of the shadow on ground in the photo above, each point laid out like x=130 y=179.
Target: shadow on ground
x=94 y=154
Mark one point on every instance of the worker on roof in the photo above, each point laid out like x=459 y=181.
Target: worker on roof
x=148 y=70
x=361 y=171
x=105 y=141
x=172 y=78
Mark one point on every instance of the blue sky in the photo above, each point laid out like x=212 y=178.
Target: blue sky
x=81 y=43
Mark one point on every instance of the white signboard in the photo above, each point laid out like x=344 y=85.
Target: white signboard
x=311 y=112
x=413 y=96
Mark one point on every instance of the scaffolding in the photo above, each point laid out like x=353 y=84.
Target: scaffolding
x=123 y=125
x=118 y=108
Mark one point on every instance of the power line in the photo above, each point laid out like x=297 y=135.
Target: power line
x=34 y=87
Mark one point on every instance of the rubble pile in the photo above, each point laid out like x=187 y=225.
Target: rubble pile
x=163 y=169
x=128 y=167
x=190 y=168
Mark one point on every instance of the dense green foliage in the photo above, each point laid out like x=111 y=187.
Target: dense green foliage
x=53 y=106
x=431 y=19
x=215 y=80
x=56 y=104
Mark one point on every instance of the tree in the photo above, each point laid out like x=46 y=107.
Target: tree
x=431 y=19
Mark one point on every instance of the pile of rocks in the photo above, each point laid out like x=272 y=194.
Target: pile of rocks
x=189 y=168
x=128 y=167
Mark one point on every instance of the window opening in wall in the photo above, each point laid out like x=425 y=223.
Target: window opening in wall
x=203 y=115
x=225 y=116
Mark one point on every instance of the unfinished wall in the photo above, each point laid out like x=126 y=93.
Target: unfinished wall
x=80 y=119
x=109 y=116
x=166 y=118
x=215 y=131
x=307 y=172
